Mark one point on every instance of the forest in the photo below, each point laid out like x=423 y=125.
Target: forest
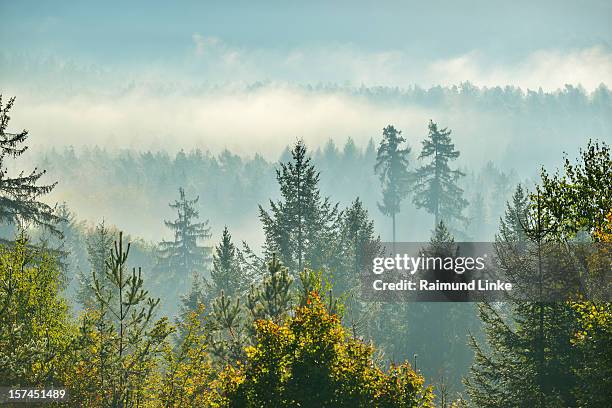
x=245 y=290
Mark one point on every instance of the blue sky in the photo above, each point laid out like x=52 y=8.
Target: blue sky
x=141 y=33
x=163 y=73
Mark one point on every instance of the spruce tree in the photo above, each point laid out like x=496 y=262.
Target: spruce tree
x=528 y=359
x=359 y=245
x=120 y=340
x=436 y=187
x=20 y=195
x=184 y=255
x=99 y=243
x=226 y=274
x=300 y=226
x=272 y=298
x=392 y=168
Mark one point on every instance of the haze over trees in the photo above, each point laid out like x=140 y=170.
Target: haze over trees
x=284 y=326
x=392 y=162
x=20 y=195
x=437 y=185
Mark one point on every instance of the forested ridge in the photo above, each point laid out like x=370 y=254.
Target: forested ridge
x=200 y=316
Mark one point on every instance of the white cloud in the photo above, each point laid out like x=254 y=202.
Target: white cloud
x=549 y=69
x=204 y=44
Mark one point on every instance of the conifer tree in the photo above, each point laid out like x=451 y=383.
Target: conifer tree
x=392 y=169
x=272 y=299
x=226 y=274
x=359 y=245
x=299 y=227
x=192 y=302
x=528 y=359
x=99 y=243
x=228 y=326
x=184 y=255
x=20 y=195
x=120 y=335
x=436 y=187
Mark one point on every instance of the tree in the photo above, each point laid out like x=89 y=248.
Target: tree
x=300 y=226
x=187 y=372
x=548 y=353
x=99 y=243
x=310 y=361
x=358 y=245
x=436 y=187
x=35 y=328
x=121 y=342
x=359 y=240
x=19 y=195
x=183 y=254
x=226 y=274
x=392 y=169
x=272 y=299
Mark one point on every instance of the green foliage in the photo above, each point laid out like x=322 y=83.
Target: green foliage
x=228 y=326
x=35 y=329
x=580 y=199
x=121 y=342
x=392 y=169
x=310 y=361
x=99 y=243
x=227 y=275
x=436 y=188
x=358 y=244
x=299 y=227
x=272 y=299
x=548 y=354
x=187 y=373
x=183 y=255
x=19 y=195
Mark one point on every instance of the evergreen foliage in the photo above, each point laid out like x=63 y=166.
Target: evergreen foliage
x=392 y=168
x=542 y=354
x=35 y=328
x=183 y=255
x=311 y=361
x=299 y=227
x=20 y=195
x=227 y=275
x=436 y=188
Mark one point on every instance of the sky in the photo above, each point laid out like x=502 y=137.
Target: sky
x=168 y=74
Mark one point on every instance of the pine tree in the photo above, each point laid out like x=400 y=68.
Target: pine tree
x=359 y=245
x=436 y=188
x=512 y=225
x=272 y=298
x=300 y=226
x=99 y=243
x=226 y=274
x=120 y=342
x=184 y=255
x=528 y=358
x=19 y=195
x=392 y=169
x=193 y=301
x=228 y=326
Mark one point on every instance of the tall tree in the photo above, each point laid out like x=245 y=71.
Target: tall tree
x=20 y=195
x=300 y=226
x=184 y=255
x=226 y=274
x=359 y=245
x=436 y=187
x=550 y=354
x=35 y=329
x=392 y=169
x=99 y=243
